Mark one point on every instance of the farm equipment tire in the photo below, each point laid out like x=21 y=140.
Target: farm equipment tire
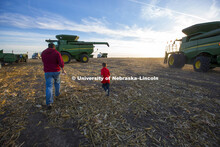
x=180 y=60
x=17 y=61
x=84 y=58
x=1 y=64
x=176 y=60
x=201 y=64
x=172 y=61
x=66 y=57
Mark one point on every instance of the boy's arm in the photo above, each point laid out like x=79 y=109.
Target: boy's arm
x=108 y=72
x=101 y=72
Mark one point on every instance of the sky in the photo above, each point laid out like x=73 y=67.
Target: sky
x=133 y=28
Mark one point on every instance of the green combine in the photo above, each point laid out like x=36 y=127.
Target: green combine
x=201 y=48
x=71 y=48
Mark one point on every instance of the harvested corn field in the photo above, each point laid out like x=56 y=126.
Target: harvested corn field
x=181 y=108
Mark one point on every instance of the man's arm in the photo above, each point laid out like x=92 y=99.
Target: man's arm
x=61 y=63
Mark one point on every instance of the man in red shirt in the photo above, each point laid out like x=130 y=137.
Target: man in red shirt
x=106 y=79
x=52 y=62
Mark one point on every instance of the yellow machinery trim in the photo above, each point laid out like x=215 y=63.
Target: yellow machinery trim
x=76 y=38
x=77 y=49
x=202 y=45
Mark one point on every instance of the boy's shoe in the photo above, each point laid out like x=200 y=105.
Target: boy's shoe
x=107 y=92
x=49 y=107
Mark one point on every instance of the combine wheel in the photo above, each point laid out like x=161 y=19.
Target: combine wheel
x=181 y=60
x=66 y=57
x=176 y=60
x=172 y=61
x=84 y=58
x=201 y=64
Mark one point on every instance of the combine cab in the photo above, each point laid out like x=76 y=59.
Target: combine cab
x=71 y=48
x=201 y=48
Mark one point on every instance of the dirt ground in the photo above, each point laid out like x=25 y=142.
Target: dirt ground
x=181 y=108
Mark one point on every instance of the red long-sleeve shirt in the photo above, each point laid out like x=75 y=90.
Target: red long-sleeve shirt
x=105 y=73
x=52 y=60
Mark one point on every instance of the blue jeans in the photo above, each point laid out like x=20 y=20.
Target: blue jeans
x=106 y=87
x=51 y=77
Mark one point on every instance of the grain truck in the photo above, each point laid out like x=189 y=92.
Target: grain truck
x=200 y=47
x=71 y=48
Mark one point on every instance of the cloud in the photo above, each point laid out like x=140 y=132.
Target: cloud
x=152 y=10
x=213 y=12
x=130 y=40
x=88 y=25
x=127 y=41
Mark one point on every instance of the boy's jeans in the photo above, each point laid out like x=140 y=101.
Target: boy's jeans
x=106 y=87
x=51 y=77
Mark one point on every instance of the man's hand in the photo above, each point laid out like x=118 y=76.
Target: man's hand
x=63 y=72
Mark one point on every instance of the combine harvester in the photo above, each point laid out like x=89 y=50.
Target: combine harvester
x=11 y=57
x=201 y=48
x=71 y=48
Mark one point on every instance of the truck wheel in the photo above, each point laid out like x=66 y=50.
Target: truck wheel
x=84 y=58
x=201 y=64
x=66 y=57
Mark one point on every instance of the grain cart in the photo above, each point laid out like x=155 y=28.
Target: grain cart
x=11 y=57
x=201 y=48
x=7 y=57
x=71 y=48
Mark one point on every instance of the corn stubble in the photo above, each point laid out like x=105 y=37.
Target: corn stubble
x=167 y=112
